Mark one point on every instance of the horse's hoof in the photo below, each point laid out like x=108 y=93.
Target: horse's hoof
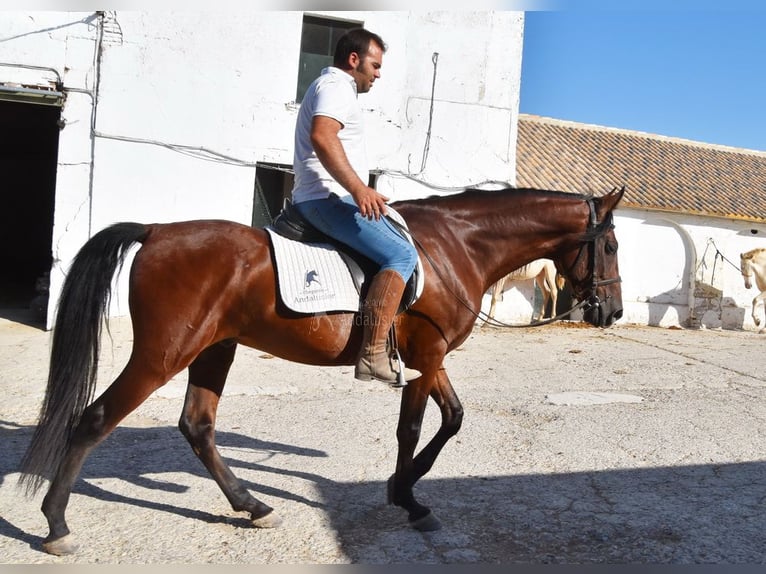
x=271 y=520
x=61 y=546
x=427 y=523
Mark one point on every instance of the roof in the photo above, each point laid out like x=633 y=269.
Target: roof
x=659 y=173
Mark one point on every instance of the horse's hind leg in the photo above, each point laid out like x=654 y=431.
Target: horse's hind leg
x=207 y=377
x=128 y=391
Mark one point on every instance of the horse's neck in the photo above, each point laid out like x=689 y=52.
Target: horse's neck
x=490 y=235
x=523 y=235
x=758 y=268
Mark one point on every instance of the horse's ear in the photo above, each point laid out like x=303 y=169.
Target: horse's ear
x=608 y=202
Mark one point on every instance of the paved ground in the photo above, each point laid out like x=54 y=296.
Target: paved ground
x=579 y=445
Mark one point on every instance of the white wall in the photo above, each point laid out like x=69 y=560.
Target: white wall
x=226 y=82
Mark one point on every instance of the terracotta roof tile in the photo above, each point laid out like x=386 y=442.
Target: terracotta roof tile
x=659 y=173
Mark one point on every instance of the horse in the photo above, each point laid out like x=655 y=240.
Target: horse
x=753 y=264
x=543 y=272
x=199 y=289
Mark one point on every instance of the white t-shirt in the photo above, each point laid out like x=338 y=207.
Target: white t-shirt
x=332 y=94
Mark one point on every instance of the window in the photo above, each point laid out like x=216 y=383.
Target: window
x=318 y=40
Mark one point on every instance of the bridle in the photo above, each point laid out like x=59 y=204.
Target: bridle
x=595 y=231
x=747 y=276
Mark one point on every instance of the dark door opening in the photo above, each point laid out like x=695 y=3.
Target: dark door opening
x=273 y=183
x=28 y=160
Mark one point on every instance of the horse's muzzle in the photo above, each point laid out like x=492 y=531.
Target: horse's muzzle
x=602 y=313
x=612 y=318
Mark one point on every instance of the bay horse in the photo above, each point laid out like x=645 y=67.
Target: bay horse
x=198 y=289
x=753 y=265
x=544 y=274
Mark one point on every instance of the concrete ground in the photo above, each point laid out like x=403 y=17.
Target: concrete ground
x=579 y=445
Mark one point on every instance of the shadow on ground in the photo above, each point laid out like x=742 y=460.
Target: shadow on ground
x=683 y=514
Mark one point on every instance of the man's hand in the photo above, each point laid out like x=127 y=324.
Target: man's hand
x=371 y=203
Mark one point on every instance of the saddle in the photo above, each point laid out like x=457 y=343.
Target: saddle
x=291 y=225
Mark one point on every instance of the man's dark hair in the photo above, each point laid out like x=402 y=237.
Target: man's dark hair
x=355 y=40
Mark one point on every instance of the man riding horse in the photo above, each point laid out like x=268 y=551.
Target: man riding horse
x=332 y=194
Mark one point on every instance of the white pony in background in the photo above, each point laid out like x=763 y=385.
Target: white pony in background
x=544 y=273
x=753 y=264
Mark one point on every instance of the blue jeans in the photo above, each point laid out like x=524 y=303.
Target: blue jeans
x=339 y=217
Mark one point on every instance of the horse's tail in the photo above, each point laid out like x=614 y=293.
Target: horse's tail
x=560 y=281
x=82 y=310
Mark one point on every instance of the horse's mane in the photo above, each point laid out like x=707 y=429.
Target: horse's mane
x=753 y=252
x=473 y=196
x=471 y=193
x=525 y=190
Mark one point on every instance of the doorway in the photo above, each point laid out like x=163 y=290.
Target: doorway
x=28 y=161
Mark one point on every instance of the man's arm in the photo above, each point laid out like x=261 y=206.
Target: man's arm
x=329 y=150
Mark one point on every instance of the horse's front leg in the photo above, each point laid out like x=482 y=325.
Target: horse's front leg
x=410 y=469
x=207 y=377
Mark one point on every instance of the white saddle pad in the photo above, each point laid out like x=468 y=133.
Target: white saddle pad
x=313 y=277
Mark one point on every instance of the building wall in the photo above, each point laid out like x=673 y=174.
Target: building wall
x=167 y=113
x=182 y=117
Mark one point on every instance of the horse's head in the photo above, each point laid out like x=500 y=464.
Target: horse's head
x=752 y=265
x=592 y=267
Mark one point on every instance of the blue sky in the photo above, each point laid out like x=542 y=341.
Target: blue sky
x=693 y=74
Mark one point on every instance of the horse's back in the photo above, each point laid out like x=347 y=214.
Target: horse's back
x=209 y=230
x=531 y=270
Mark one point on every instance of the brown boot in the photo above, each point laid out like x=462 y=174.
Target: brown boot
x=378 y=312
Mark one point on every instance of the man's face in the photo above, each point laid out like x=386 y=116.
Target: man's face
x=365 y=70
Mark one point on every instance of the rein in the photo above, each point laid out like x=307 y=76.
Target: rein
x=594 y=231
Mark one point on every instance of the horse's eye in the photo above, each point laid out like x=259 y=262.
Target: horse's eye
x=610 y=248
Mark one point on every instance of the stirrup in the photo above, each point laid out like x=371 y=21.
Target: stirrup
x=400 y=380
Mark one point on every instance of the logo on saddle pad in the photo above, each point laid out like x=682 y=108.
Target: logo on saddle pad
x=313 y=290
x=312 y=277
